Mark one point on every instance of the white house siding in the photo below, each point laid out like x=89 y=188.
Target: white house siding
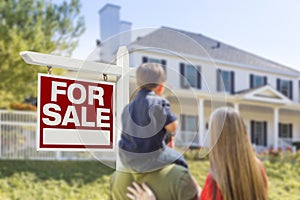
x=172 y=65
x=209 y=73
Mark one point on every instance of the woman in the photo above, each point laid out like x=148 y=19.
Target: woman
x=235 y=172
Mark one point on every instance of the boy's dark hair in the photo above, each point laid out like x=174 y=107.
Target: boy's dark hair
x=149 y=75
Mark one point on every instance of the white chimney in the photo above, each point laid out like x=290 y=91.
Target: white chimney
x=113 y=31
x=109 y=21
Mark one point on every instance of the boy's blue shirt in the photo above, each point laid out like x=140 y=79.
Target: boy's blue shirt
x=143 y=122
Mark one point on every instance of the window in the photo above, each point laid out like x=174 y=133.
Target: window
x=155 y=60
x=259 y=133
x=190 y=76
x=285 y=87
x=225 y=81
x=189 y=130
x=256 y=81
x=285 y=131
x=190 y=123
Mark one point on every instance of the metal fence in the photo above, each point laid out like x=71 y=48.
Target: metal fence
x=18 y=139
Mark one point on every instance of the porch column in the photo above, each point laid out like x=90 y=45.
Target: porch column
x=275 y=127
x=201 y=121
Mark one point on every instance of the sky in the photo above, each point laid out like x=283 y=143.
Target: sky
x=268 y=28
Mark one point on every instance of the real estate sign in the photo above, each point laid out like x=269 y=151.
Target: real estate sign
x=75 y=114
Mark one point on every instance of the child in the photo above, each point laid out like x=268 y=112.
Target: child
x=145 y=122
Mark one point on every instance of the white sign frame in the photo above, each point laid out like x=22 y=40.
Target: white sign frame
x=120 y=70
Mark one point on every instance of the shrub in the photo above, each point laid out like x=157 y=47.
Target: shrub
x=22 y=106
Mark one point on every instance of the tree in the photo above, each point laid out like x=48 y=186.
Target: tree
x=33 y=25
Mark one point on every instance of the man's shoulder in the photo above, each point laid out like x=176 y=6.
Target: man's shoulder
x=173 y=171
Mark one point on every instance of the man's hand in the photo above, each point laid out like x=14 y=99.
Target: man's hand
x=140 y=193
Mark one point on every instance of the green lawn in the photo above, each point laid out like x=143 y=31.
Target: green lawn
x=90 y=179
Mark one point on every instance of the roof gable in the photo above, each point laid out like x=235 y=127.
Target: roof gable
x=265 y=94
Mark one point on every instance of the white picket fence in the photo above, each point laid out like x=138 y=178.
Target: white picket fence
x=18 y=139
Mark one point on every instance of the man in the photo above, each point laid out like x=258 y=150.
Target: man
x=173 y=182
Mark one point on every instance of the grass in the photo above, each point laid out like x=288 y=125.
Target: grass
x=47 y=180
x=22 y=180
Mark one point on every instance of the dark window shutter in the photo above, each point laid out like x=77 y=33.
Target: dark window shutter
x=182 y=77
x=219 y=88
x=164 y=65
x=252 y=132
x=144 y=60
x=232 y=82
x=265 y=80
x=183 y=122
x=291 y=130
x=278 y=85
x=265 y=133
x=280 y=130
x=206 y=126
x=299 y=85
x=251 y=81
x=291 y=90
x=198 y=77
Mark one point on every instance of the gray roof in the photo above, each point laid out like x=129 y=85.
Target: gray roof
x=180 y=41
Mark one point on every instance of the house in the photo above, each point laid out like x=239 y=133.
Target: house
x=203 y=74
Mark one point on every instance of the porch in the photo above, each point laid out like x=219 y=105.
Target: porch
x=270 y=117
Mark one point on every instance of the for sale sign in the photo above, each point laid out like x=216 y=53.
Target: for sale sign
x=74 y=114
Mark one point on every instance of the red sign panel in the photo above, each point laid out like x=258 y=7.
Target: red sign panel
x=75 y=114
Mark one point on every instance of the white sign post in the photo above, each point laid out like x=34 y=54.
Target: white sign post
x=78 y=115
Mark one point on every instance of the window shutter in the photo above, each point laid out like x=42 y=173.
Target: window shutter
x=291 y=90
x=278 y=85
x=144 y=59
x=183 y=122
x=291 y=130
x=279 y=130
x=265 y=133
x=164 y=65
x=182 y=77
x=198 y=77
x=251 y=81
x=265 y=80
x=206 y=126
x=232 y=82
x=219 y=88
x=252 y=132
